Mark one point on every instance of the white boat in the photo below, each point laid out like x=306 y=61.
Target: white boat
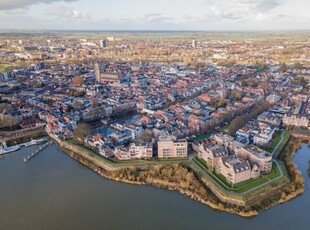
x=35 y=142
x=9 y=149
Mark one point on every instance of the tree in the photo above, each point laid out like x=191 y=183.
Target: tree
x=236 y=94
x=298 y=65
x=241 y=120
x=78 y=80
x=36 y=84
x=3 y=106
x=244 y=83
x=81 y=132
x=283 y=68
x=145 y=136
x=221 y=103
x=10 y=121
x=95 y=103
x=69 y=109
x=77 y=105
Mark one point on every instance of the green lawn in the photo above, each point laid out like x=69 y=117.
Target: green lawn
x=242 y=186
x=200 y=137
x=71 y=140
x=202 y=162
x=224 y=128
x=286 y=138
x=273 y=143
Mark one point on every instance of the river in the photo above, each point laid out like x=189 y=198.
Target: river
x=53 y=191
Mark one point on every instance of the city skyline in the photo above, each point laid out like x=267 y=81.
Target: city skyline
x=200 y=15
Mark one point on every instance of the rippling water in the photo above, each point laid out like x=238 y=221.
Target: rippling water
x=54 y=191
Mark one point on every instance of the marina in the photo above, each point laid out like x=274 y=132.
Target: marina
x=42 y=147
x=4 y=149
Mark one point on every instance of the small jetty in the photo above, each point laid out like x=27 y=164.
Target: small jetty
x=30 y=157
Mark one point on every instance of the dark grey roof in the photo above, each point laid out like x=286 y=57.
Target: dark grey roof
x=220 y=151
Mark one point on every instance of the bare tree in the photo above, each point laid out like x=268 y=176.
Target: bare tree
x=81 y=132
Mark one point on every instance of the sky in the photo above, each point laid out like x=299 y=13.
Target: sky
x=208 y=15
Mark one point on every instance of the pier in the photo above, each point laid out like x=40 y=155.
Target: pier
x=30 y=157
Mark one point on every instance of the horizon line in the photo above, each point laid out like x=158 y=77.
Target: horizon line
x=151 y=30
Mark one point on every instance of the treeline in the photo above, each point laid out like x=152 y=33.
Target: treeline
x=239 y=121
x=26 y=138
x=172 y=176
x=291 y=189
x=181 y=178
x=237 y=118
x=297 y=181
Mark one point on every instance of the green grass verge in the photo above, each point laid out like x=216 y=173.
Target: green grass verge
x=224 y=128
x=286 y=138
x=274 y=142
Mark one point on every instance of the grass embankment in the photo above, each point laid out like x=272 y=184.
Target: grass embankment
x=26 y=138
x=116 y=163
x=296 y=182
x=242 y=186
x=285 y=140
x=177 y=177
x=181 y=177
x=275 y=141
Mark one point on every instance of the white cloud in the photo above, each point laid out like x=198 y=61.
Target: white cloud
x=241 y=10
x=17 y=4
x=156 y=17
x=67 y=12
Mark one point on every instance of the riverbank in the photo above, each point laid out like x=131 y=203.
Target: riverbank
x=180 y=177
x=295 y=187
x=25 y=138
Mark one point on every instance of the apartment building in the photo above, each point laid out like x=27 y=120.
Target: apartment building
x=294 y=120
x=167 y=147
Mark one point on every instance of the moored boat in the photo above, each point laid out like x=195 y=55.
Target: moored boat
x=35 y=142
x=9 y=149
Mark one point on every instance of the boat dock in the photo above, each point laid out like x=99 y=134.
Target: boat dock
x=42 y=147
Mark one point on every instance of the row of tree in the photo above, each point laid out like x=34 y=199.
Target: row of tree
x=241 y=120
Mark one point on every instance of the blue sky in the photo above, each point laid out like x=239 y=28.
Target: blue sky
x=155 y=14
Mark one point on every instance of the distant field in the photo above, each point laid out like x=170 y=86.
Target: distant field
x=166 y=35
x=6 y=68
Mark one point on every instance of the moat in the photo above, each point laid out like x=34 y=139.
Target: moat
x=56 y=192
